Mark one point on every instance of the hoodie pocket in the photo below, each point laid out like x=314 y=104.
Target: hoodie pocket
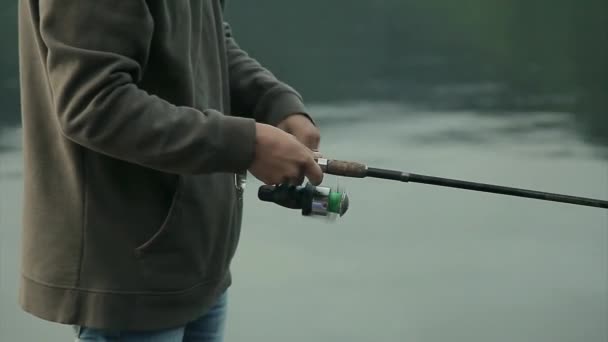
x=173 y=212
x=197 y=239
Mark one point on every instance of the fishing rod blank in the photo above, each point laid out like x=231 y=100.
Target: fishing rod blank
x=358 y=170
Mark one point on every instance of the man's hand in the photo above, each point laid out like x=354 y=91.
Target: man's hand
x=303 y=129
x=281 y=158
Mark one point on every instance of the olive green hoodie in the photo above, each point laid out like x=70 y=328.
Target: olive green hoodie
x=132 y=213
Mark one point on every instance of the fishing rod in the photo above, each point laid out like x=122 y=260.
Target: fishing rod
x=323 y=201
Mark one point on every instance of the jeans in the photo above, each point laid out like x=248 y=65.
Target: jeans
x=207 y=328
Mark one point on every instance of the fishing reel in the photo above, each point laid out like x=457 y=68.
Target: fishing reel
x=316 y=201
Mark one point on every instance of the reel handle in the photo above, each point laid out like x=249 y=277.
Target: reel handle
x=286 y=196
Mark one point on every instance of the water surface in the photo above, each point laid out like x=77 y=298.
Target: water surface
x=408 y=262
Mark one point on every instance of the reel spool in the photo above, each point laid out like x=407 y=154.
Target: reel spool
x=314 y=201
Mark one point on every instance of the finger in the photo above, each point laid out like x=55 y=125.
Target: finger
x=299 y=179
x=309 y=137
x=313 y=172
x=296 y=178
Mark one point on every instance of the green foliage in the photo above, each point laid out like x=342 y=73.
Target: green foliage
x=351 y=49
x=9 y=75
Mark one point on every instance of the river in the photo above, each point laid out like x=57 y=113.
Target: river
x=408 y=262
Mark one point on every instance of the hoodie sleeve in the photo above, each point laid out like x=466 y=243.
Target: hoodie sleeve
x=256 y=90
x=96 y=53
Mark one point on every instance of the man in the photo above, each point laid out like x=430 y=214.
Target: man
x=132 y=195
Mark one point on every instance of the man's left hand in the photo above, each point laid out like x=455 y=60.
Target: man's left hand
x=303 y=129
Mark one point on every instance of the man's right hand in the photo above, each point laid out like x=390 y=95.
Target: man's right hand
x=281 y=158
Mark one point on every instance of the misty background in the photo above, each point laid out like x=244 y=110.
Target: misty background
x=509 y=92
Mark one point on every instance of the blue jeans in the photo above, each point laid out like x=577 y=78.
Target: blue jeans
x=207 y=328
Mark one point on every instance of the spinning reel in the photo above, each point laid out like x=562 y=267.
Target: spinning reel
x=316 y=201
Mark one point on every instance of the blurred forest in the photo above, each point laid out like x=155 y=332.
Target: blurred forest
x=494 y=56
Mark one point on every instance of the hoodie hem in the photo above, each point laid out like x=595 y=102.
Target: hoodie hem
x=111 y=310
